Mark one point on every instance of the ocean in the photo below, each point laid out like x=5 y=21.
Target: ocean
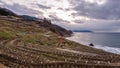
x=109 y=42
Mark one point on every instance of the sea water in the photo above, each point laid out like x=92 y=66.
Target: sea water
x=106 y=41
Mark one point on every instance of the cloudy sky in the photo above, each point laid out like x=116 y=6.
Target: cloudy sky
x=95 y=15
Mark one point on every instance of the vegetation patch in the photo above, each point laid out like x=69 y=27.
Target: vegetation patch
x=5 y=35
x=5 y=23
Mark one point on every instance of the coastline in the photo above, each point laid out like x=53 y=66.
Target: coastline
x=104 y=48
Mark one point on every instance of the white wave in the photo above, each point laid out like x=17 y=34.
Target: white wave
x=108 y=49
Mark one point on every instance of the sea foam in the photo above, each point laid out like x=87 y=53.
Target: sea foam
x=108 y=49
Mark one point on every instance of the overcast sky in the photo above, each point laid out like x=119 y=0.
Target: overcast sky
x=95 y=15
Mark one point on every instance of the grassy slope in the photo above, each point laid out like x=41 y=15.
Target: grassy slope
x=30 y=32
x=26 y=32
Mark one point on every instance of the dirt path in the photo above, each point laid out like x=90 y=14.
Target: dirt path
x=77 y=52
x=12 y=42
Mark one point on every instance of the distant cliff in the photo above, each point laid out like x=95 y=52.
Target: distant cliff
x=55 y=28
x=82 y=31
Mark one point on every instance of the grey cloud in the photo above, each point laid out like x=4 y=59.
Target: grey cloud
x=104 y=26
x=67 y=9
x=43 y=7
x=22 y=10
x=109 y=10
x=60 y=8
x=54 y=18
x=78 y=21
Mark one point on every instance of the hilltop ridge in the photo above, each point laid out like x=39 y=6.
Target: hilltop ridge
x=6 y=12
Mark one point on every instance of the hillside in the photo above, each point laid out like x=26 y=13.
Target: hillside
x=41 y=44
x=6 y=12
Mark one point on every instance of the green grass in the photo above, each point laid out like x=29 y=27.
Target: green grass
x=29 y=39
x=5 y=35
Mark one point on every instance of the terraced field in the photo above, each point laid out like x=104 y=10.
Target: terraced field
x=13 y=54
x=24 y=44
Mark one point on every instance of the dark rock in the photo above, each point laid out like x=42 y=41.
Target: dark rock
x=91 y=44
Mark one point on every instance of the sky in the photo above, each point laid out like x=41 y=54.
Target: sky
x=94 y=15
